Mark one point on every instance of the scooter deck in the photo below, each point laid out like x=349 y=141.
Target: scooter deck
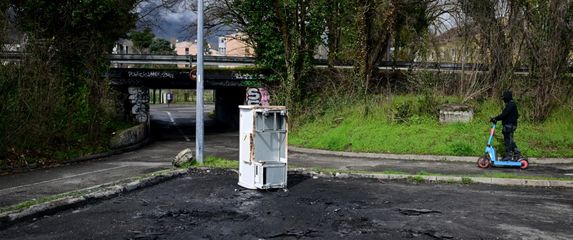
x=506 y=163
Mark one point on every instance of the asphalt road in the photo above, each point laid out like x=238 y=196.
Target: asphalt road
x=210 y=205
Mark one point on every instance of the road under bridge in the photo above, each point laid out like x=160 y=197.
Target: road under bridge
x=229 y=86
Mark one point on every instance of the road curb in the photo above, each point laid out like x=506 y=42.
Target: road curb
x=448 y=179
x=86 y=195
x=540 y=161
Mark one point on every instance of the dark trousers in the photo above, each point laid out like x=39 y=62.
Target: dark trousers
x=509 y=142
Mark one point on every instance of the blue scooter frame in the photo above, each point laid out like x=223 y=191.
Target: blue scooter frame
x=490 y=157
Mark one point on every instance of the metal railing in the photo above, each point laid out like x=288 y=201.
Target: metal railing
x=250 y=61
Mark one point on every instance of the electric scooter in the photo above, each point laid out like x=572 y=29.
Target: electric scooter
x=490 y=158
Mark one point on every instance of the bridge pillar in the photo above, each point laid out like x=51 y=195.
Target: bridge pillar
x=133 y=103
x=227 y=101
x=139 y=99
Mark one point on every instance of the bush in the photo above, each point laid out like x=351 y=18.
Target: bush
x=47 y=115
x=402 y=112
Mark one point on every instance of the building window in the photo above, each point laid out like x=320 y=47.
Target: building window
x=186 y=51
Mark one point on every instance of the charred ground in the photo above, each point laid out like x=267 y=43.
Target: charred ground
x=210 y=205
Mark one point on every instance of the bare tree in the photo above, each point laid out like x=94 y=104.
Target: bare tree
x=499 y=24
x=374 y=23
x=548 y=40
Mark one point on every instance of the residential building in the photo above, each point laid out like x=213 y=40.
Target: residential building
x=123 y=46
x=234 y=45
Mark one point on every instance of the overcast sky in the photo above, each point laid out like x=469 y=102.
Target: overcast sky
x=167 y=23
x=177 y=21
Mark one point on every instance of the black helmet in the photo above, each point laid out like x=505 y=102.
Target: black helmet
x=507 y=96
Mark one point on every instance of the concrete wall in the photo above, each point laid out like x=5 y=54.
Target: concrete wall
x=130 y=136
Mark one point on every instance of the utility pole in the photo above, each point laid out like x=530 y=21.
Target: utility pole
x=199 y=97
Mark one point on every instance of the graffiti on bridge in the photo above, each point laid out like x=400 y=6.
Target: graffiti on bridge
x=257 y=96
x=139 y=98
x=151 y=74
x=248 y=76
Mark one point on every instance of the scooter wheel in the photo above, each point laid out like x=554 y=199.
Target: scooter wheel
x=483 y=162
x=524 y=163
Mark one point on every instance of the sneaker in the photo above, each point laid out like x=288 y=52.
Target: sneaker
x=507 y=158
x=517 y=156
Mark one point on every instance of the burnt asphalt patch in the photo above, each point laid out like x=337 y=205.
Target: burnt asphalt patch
x=210 y=205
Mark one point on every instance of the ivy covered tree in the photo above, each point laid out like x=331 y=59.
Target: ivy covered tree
x=285 y=35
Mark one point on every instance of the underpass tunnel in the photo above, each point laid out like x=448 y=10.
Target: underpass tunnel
x=176 y=118
x=144 y=94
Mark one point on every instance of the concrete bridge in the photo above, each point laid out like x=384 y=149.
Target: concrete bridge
x=229 y=85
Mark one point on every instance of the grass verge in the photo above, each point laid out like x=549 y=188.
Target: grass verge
x=401 y=125
x=213 y=162
x=418 y=177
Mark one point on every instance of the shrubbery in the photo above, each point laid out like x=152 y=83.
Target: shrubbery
x=54 y=102
x=405 y=120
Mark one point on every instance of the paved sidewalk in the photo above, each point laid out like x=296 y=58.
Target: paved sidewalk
x=541 y=161
x=413 y=164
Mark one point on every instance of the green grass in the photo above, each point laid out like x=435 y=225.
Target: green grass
x=213 y=162
x=416 y=179
x=388 y=128
x=517 y=176
x=466 y=180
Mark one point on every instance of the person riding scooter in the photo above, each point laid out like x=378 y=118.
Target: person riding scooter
x=508 y=118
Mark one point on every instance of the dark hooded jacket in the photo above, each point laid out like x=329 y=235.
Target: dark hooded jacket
x=509 y=114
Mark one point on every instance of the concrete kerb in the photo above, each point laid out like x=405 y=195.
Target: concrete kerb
x=540 y=161
x=448 y=179
x=87 y=195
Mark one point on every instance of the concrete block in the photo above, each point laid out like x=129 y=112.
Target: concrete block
x=451 y=113
x=128 y=137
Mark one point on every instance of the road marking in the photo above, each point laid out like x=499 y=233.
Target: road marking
x=171 y=118
x=62 y=178
x=175 y=125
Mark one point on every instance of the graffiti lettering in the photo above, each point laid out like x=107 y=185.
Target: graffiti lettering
x=257 y=96
x=139 y=97
x=247 y=76
x=137 y=74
